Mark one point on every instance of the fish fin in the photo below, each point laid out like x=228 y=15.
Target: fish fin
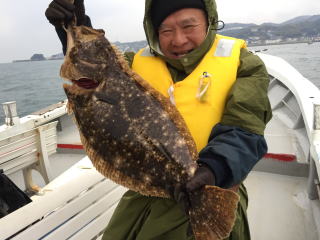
x=213 y=212
x=69 y=108
x=117 y=176
x=122 y=61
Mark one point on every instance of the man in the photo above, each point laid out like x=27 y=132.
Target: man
x=219 y=87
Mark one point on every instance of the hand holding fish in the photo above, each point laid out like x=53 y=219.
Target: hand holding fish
x=61 y=12
x=203 y=176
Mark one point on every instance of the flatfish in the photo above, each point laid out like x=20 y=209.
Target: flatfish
x=134 y=135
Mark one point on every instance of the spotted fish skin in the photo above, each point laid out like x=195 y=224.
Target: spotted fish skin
x=133 y=134
x=128 y=134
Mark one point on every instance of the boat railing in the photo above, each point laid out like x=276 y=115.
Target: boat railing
x=314 y=168
x=33 y=120
x=299 y=111
x=29 y=150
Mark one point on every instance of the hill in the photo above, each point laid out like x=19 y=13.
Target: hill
x=302 y=19
x=131 y=46
x=299 y=29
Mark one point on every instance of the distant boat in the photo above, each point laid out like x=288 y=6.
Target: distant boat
x=262 y=50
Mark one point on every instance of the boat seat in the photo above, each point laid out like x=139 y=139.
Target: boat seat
x=76 y=205
x=29 y=151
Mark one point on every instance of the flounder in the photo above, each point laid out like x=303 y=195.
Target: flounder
x=134 y=135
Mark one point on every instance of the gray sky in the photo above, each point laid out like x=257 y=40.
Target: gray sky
x=24 y=29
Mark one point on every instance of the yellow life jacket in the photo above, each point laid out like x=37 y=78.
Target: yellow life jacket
x=201 y=96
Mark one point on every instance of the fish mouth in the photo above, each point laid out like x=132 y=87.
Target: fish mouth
x=81 y=86
x=86 y=83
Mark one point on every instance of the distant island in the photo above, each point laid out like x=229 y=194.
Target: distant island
x=302 y=29
x=41 y=57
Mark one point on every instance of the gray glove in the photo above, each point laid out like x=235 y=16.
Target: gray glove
x=203 y=176
x=62 y=11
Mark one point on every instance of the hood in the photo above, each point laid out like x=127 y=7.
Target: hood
x=188 y=61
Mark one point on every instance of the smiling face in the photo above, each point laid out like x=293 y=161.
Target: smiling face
x=182 y=31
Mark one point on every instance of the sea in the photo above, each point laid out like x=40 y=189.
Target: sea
x=36 y=85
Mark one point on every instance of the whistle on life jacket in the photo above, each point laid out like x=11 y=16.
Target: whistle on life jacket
x=204 y=85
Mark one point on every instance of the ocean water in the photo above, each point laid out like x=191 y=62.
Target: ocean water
x=36 y=85
x=33 y=85
x=304 y=57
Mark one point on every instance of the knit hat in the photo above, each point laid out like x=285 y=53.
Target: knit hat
x=160 y=9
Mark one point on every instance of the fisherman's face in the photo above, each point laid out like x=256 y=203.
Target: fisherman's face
x=182 y=31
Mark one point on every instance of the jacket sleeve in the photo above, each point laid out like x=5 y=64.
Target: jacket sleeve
x=237 y=143
x=247 y=104
x=231 y=154
x=63 y=35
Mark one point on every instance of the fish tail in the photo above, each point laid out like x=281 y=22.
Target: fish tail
x=213 y=212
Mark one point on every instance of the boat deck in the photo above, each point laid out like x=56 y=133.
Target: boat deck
x=278 y=205
x=59 y=163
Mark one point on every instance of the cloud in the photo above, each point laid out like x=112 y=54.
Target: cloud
x=277 y=11
x=121 y=19
x=23 y=27
x=24 y=30
x=7 y=21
